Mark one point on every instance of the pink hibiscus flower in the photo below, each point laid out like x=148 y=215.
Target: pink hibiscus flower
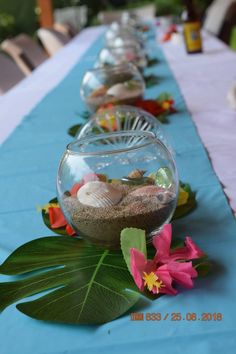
x=159 y=274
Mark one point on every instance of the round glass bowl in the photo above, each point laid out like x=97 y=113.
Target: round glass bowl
x=118 y=84
x=111 y=181
x=118 y=55
x=122 y=118
x=123 y=33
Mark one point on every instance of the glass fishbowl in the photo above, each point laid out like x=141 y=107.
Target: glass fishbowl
x=112 y=181
x=118 y=84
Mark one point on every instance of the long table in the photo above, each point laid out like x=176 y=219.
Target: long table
x=204 y=80
x=28 y=162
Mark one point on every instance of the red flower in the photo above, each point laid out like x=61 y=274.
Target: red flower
x=57 y=220
x=151 y=106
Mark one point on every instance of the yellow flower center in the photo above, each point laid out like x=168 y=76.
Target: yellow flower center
x=47 y=206
x=166 y=105
x=151 y=280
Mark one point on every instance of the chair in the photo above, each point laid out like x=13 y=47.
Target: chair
x=145 y=12
x=215 y=15
x=25 y=52
x=65 y=28
x=52 y=40
x=228 y=24
x=10 y=74
x=76 y=16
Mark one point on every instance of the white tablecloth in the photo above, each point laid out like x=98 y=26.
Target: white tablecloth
x=204 y=80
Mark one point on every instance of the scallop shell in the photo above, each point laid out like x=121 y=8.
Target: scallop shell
x=99 y=194
x=122 y=91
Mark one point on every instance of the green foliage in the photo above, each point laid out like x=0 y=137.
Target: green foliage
x=132 y=238
x=7 y=24
x=86 y=284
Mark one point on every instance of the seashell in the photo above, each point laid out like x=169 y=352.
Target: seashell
x=136 y=174
x=145 y=191
x=99 y=194
x=122 y=90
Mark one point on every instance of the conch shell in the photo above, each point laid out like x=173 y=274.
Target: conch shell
x=99 y=194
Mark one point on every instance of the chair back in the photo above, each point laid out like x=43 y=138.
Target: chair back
x=52 y=40
x=10 y=74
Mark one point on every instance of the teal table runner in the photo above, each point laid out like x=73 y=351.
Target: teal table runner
x=28 y=167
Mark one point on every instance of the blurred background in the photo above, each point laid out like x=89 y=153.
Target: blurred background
x=23 y=16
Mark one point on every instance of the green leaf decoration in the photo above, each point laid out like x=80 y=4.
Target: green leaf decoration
x=45 y=216
x=164 y=96
x=164 y=177
x=132 y=238
x=151 y=80
x=202 y=266
x=84 y=284
x=72 y=131
x=187 y=208
x=152 y=62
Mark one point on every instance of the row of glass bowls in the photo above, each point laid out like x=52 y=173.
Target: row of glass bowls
x=119 y=171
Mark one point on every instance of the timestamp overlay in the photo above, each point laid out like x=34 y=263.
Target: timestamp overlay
x=177 y=316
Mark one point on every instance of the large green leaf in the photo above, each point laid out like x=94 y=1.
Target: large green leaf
x=86 y=284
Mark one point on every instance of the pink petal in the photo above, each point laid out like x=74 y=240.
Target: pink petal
x=190 y=251
x=90 y=177
x=75 y=189
x=164 y=275
x=162 y=244
x=137 y=263
x=182 y=273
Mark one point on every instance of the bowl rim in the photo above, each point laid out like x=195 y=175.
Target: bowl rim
x=73 y=147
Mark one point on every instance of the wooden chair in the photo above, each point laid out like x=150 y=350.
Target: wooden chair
x=52 y=40
x=65 y=28
x=27 y=54
x=10 y=74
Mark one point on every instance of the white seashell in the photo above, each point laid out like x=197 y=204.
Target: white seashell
x=99 y=194
x=121 y=91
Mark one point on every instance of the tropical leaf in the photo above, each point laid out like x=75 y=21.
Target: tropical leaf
x=164 y=96
x=72 y=131
x=187 y=208
x=152 y=61
x=203 y=269
x=45 y=216
x=151 y=80
x=132 y=238
x=86 y=284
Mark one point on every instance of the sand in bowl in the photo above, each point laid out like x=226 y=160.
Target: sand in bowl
x=144 y=207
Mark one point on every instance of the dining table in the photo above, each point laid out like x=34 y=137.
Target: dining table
x=35 y=117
